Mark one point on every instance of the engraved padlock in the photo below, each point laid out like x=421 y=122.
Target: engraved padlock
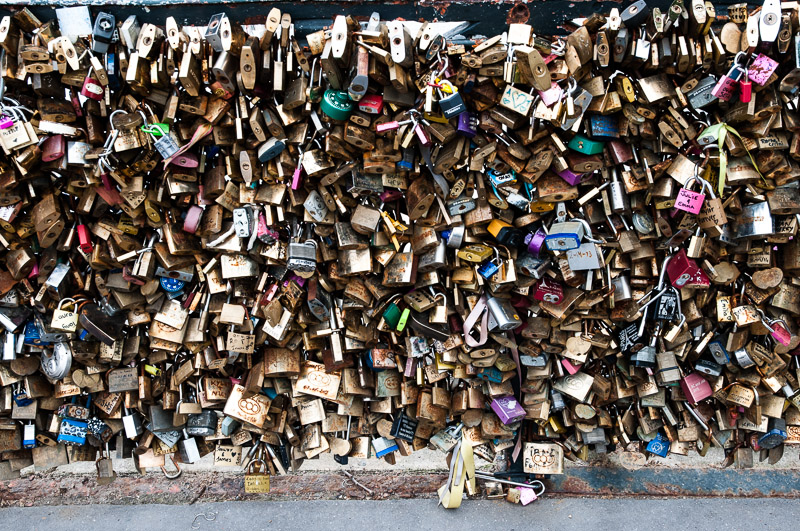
x=303 y=256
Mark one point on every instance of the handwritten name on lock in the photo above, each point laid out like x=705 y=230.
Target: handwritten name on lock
x=315 y=381
x=226 y=455
x=543 y=458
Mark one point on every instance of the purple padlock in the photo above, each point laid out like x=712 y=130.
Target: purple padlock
x=300 y=280
x=467 y=125
x=508 y=409
x=761 y=69
x=534 y=241
x=571 y=177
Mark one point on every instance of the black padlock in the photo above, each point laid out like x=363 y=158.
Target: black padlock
x=101 y=325
x=404 y=427
x=202 y=424
x=666 y=307
x=103 y=32
x=635 y=14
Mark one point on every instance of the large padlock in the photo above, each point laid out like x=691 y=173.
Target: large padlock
x=303 y=256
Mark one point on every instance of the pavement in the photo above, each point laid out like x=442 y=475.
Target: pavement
x=650 y=514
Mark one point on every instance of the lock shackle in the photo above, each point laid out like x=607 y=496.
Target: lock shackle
x=741 y=60
x=680 y=310
x=589 y=235
x=171 y=475
x=438 y=293
x=253 y=462
x=444 y=66
x=572 y=86
x=65 y=299
x=705 y=185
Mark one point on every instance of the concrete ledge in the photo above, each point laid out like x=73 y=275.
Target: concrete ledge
x=618 y=474
x=54 y=489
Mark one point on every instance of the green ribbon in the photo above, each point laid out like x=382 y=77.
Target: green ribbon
x=723 y=156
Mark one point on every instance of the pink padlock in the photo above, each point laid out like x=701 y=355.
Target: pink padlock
x=387 y=126
x=778 y=331
x=551 y=95
x=689 y=200
x=761 y=69
x=6 y=122
x=192 y=220
x=572 y=369
x=297 y=177
x=695 y=388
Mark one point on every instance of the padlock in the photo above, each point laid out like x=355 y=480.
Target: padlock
x=567 y=235
x=503 y=313
x=64 y=320
x=303 y=256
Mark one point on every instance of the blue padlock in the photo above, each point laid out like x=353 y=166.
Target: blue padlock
x=659 y=446
x=490 y=268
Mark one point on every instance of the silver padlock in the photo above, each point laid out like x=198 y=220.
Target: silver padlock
x=132 y=423
x=58 y=281
x=9 y=346
x=166 y=146
x=242 y=221
x=460 y=205
x=755 y=221
x=456 y=237
x=188 y=449
x=617 y=197
x=315 y=206
x=303 y=256
x=503 y=313
x=587 y=256
x=433 y=260
x=622 y=289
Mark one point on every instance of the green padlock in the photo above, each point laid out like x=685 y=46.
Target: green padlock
x=392 y=315
x=336 y=104
x=585 y=145
x=156 y=129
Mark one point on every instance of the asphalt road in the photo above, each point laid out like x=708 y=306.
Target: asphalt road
x=547 y=513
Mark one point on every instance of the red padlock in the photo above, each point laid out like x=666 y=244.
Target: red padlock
x=371 y=104
x=549 y=290
x=83 y=239
x=53 y=148
x=745 y=89
x=92 y=89
x=695 y=388
x=681 y=269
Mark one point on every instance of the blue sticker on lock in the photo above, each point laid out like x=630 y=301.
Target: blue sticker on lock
x=172 y=285
x=498 y=179
x=659 y=446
